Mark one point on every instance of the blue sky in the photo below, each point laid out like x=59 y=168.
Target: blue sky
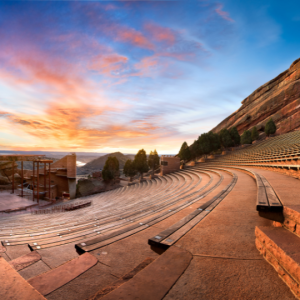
x=105 y=76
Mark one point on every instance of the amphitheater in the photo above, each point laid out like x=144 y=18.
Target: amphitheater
x=227 y=228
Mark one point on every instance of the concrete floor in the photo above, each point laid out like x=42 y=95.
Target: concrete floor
x=11 y=201
x=226 y=263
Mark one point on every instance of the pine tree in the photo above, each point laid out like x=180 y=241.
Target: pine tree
x=140 y=162
x=246 y=137
x=234 y=134
x=153 y=160
x=254 y=134
x=129 y=169
x=184 y=153
x=110 y=169
x=214 y=140
x=270 y=127
x=225 y=138
x=204 y=143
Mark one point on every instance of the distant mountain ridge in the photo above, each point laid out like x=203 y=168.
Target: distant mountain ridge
x=98 y=163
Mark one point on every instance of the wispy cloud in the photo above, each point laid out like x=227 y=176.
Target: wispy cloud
x=223 y=14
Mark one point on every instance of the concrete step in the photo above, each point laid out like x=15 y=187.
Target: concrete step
x=154 y=281
x=291 y=214
x=14 y=286
x=56 y=278
x=281 y=249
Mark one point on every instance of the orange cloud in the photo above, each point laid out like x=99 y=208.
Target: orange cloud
x=126 y=34
x=160 y=33
x=108 y=63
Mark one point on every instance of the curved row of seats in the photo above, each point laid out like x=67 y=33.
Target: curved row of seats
x=280 y=153
x=117 y=210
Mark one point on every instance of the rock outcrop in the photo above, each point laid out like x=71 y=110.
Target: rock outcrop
x=279 y=98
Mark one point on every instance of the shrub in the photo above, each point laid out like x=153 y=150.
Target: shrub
x=140 y=162
x=254 y=134
x=246 y=137
x=270 y=127
x=234 y=134
x=110 y=169
x=225 y=138
x=129 y=169
x=184 y=153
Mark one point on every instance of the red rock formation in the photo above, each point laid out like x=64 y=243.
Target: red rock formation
x=279 y=98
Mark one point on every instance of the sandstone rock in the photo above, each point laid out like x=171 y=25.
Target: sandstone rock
x=279 y=98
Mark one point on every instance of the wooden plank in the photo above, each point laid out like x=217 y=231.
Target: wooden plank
x=56 y=278
x=110 y=235
x=108 y=241
x=167 y=237
x=274 y=202
x=173 y=238
x=262 y=200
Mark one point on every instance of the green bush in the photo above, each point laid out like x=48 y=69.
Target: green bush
x=254 y=134
x=225 y=138
x=184 y=153
x=234 y=134
x=140 y=162
x=129 y=169
x=270 y=127
x=246 y=138
x=110 y=169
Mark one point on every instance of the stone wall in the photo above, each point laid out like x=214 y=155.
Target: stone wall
x=169 y=164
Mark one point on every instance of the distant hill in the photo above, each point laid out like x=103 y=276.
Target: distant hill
x=98 y=163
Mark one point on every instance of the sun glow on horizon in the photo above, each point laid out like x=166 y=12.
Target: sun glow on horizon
x=124 y=75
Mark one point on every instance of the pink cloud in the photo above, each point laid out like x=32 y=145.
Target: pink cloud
x=223 y=14
x=127 y=34
x=106 y=64
x=160 y=33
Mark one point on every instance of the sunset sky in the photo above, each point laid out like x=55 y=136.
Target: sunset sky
x=105 y=76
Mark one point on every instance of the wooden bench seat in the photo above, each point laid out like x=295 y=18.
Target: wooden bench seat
x=171 y=235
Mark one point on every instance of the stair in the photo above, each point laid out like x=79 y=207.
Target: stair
x=281 y=249
x=14 y=286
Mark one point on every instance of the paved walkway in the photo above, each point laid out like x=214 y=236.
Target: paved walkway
x=10 y=201
x=226 y=263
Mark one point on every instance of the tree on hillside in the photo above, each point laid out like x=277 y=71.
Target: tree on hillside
x=153 y=161
x=225 y=138
x=214 y=140
x=270 y=127
x=184 y=153
x=194 y=149
x=246 y=137
x=110 y=169
x=254 y=134
x=234 y=134
x=140 y=162
x=129 y=169
x=204 y=143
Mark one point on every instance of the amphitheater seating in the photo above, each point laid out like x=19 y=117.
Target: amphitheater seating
x=182 y=200
x=279 y=153
x=172 y=234
x=108 y=221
